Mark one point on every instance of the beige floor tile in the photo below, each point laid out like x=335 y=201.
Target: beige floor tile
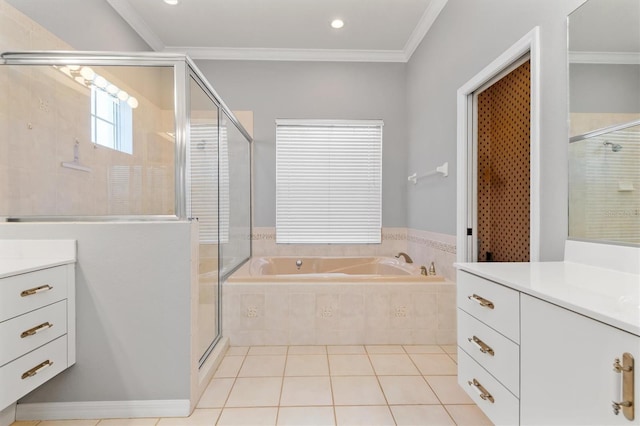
x=307 y=350
x=364 y=416
x=216 y=393
x=423 y=349
x=69 y=423
x=359 y=390
x=468 y=415
x=346 y=350
x=424 y=415
x=407 y=390
x=248 y=417
x=263 y=366
x=268 y=350
x=450 y=349
x=385 y=349
x=448 y=390
x=306 y=391
x=306 y=416
x=307 y=365
x=350 y=365
x=237 y=350
x=128 y=422
x=393 y=365
x=255 y=392
x=229 y=366
x=434 y=364
x=199 y=417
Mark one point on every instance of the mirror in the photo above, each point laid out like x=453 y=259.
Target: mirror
x=604 y=113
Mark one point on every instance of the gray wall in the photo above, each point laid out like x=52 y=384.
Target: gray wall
x=324 y=90
x=466 y=37
x=604 y=88
x=83 y=24
x=132 y=308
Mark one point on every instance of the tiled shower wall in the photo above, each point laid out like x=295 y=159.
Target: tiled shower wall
x=42 y=115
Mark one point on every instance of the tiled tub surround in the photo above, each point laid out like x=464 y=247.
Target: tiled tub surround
x=339 y=313
x=423 y=246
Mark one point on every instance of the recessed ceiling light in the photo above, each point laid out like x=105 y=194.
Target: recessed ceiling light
x=172 y=2
x=336 y=23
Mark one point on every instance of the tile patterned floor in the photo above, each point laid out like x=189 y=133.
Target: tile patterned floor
x=325 y=385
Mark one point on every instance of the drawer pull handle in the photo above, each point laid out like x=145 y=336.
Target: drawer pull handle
x=482 y=346
x=481 y=301
x=37 y=368
x=35 y=290
x=34 y=330
x=482 y=392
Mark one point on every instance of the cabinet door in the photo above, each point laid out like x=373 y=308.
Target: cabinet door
x=567 y=375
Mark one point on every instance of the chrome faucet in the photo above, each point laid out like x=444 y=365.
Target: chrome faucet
x=405 y=256
x=298 y=264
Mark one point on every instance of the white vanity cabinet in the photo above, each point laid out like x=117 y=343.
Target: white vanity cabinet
x=37 y=316
x=538 y=341
x=567 y=367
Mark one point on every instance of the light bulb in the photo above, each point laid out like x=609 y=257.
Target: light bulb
x=100 y=81
x=87 y=73
x=122 y=95
x=337 y=24
x=80 y=80
x=172 y=2
x=112 y=89
x=74 y=67
x=133 y=102
x=65 y=71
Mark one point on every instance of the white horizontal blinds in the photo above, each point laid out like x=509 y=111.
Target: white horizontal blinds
x=205 y=200
x=328 y=182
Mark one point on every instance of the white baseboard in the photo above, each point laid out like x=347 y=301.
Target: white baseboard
x=102 y=409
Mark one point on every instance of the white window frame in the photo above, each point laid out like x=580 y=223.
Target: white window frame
x=122 y=122
x=352 y=194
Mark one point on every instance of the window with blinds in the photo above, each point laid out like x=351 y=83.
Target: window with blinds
x=328 y=181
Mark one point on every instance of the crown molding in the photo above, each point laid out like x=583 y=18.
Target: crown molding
x=263 y=54
x=625 y=58
x=426 y=21
x=139 y=25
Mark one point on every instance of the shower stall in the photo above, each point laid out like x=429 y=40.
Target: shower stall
x=102 y=137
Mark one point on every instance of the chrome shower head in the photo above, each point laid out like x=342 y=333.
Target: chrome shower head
x=615 y=147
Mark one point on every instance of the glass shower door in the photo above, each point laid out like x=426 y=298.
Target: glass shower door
x=202 y=204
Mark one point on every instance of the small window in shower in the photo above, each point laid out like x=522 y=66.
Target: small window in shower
x=328 y=181
x=111 y=121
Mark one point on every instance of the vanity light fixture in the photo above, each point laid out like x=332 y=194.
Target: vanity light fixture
x=172 y=2
x=87 y=77
x=337 y=24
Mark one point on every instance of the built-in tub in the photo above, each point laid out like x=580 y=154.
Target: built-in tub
x=342 y=269
x=337 y=301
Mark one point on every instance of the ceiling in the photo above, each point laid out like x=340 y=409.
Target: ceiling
x=375 y=30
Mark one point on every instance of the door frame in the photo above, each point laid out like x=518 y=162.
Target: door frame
x=530 y=44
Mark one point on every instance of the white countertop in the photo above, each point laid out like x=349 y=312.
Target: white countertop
x=605 y=295
x=21 y=256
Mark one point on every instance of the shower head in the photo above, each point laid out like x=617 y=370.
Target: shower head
x=615 y=147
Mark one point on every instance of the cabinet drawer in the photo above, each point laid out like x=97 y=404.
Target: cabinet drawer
x=27 y=292
x=29 y=331
x=493 y=304
x=501 y=357
x=504 y=410
x=14 y=386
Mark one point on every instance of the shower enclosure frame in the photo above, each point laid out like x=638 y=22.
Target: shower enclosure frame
x=184 y=69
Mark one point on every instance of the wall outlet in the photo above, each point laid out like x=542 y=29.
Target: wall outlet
x=44 y=105
x=327 y=312
x=401 y=311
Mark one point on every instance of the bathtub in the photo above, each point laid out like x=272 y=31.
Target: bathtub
x=324 y=269
x=336 y=301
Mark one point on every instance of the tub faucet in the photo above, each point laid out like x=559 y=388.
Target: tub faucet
x=298 y=263
x=423 y=270
x=405 y=256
